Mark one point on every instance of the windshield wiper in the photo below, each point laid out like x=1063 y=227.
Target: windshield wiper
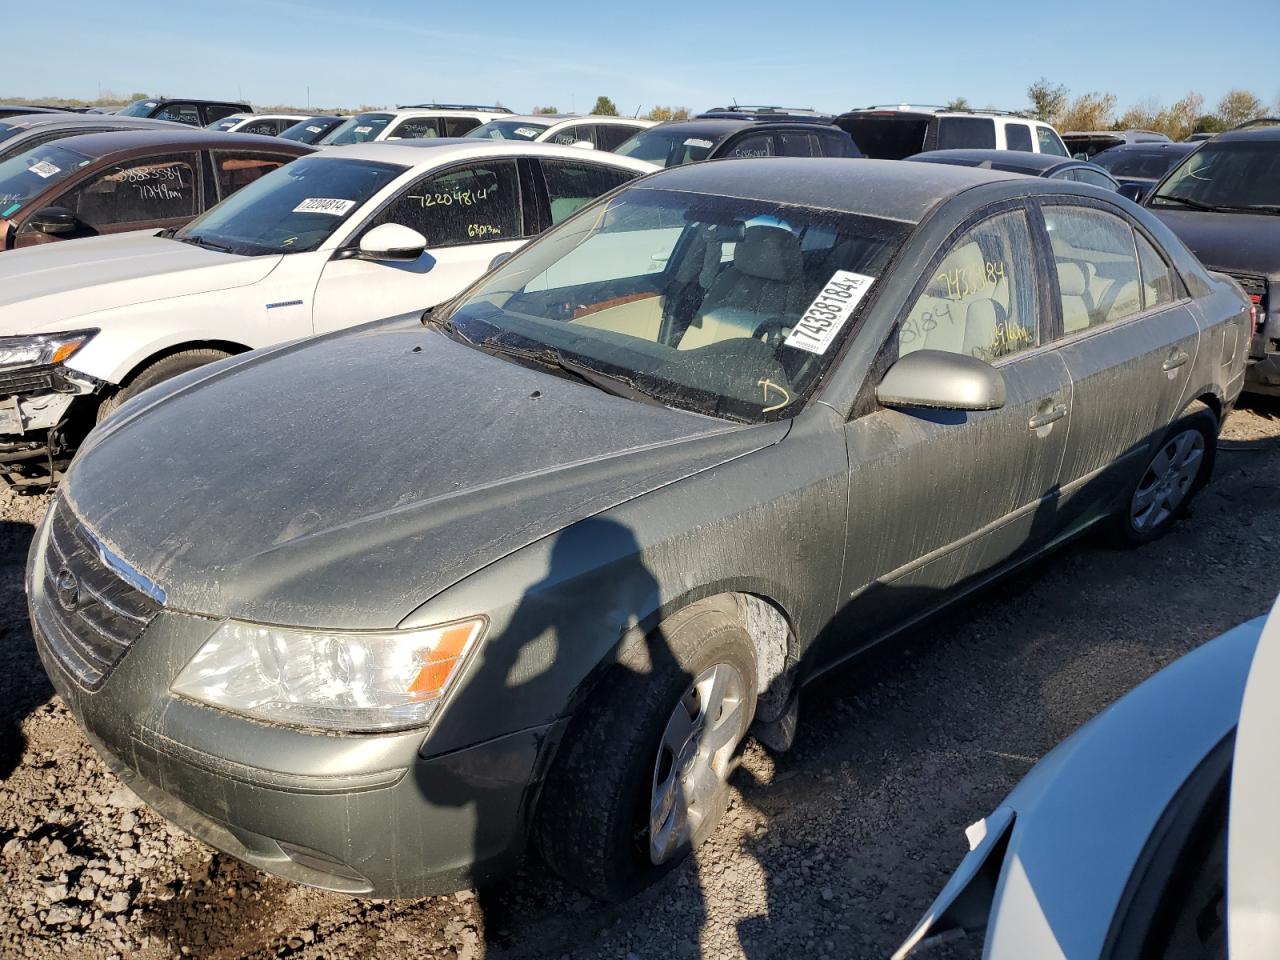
x=202 y=242
x=1193 y=204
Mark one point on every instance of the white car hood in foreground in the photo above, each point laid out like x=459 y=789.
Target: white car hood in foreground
x=45 y=288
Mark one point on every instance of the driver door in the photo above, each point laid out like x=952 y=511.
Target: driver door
x=469 y=214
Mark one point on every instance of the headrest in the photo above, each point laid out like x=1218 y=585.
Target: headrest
x=1073 y=281
x=770 y=253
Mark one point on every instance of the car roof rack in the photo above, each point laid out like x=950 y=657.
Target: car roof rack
x=760 y=111
x=939 y=108
x=1258 y=122
x=452 y=106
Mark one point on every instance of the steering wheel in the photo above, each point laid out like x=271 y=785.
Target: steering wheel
x=770 y=331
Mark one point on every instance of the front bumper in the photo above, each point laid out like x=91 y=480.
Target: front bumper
x=44 y=413
x=366 y=815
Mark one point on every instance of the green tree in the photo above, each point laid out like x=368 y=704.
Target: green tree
x=137 y=96
x=604 y=108
x=669 y=113
x=1208 y=123
x=1239 y=106
x=959 y=105
x=545 y=110
x=1089 y=111
x=1047 y=99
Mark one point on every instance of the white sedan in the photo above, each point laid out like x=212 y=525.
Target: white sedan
x=593 y=132
x=329 y=241
x=264 y=124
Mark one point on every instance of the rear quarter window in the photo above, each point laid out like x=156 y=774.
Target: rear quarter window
x=962 y=133
x=1017 y=136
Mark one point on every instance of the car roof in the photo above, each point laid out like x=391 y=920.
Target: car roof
x=889 y=189
x=1018 y=161
x=1250 y=133
x=917 y=110
x=433 y=112
x=46 y=120
x=195 y=100
x=434 y=151
x=1152 y=146
x=722 y=126
x=183 y=137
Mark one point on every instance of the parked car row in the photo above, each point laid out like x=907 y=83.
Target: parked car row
x=437 y=498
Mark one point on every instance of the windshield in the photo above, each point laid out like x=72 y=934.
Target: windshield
x=1139 y=164
x=1238 y=176
x=724 y=306
x=358 y=129
x=139 y=108
x=509 y=130
x=669 y=148
x=28 y=174
x=307 y=131
x=8 y=130
x=293 y=209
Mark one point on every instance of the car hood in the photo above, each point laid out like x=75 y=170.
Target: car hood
x=44 y=288
x=345 y=480
x=1229 y=242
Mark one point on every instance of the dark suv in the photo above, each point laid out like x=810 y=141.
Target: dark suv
x=195 y=113
x=1223 y=201
x=717 y=138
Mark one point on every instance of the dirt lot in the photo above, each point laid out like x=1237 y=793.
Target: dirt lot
x=832 y=850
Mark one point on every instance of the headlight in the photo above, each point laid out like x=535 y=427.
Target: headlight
x=357 y=681
x=42 y=349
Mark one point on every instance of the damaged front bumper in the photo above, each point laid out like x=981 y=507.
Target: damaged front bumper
x=39 y=410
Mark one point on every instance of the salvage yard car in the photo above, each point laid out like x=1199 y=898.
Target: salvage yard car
x=312 y=129
x=410 y=123
x=690 y=141
x=350 y=235
x=263 y=124
x=372 y=610
x=1048 y=165
x=20 y=134
x=1142 y=165
x=895 y=133
x=1162 y=808
x=597 y=133
x=1223 y=201
x=98 y=184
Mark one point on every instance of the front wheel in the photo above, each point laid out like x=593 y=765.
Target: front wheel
x=156 y=373
x=642 y=776
x=1180 y=466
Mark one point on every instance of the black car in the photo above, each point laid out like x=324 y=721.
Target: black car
x=194 y=113
x=687 y=141
x=312 y=129
x=1142 y=164
x=1045 y=165
x=743 y=112
x=1223 y=201
x=21 y=109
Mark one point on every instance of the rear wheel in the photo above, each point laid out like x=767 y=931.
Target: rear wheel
x=1180 y=466
x=641 y=778
x=156 y=373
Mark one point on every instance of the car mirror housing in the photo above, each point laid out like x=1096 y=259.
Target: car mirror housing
x=392 y=241
x=942 y=381
x=1134 y=191
x=500 y=259
x=54 y=221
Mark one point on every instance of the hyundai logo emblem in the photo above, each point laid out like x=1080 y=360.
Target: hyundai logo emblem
x=68 y=588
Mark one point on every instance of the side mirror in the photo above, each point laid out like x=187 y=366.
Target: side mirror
x=1079 y=155
x=54 y=221
x=942 y=381
x=392 y=241
x=499 y=259
x=1134 y=191
x=584 y=144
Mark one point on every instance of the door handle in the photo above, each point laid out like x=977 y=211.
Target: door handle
x=1176 y=359
x=1046 y=417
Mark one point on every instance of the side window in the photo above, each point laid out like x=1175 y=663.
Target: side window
x=981 y=299
x=1085 y=175
x=956 y=133
x=1018 y=137
x=832 y=145
x=1050 y=142
x=458 y=126
x=1157 y=276
x=214 y=112
x=182 y=113
x=571 y=186
x=797 y=145
x=266 y=128
x=610 y=136
x=476 y=203
x=1097 y=266
x=571 y=135
x=140 y=191
x=416 y=128
x=235 y=170
x=753 y=145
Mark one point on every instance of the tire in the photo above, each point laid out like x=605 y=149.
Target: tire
x=163 y=369
x=1177 y=471
x=592 y=824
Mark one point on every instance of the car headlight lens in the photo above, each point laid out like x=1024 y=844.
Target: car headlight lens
x=42 y=349
x=349 y=681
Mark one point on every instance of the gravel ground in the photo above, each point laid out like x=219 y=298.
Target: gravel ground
x=831 y=850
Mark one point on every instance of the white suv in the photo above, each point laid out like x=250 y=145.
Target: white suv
x=411 y=123
x=592 y=132
x=898 y=132
x=334 y=239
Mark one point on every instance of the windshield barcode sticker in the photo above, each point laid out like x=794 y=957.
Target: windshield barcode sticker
x=527 y=131
x=44 y=169
x=363 y=129
x=329 y=205
x=818 y=327
x=314 y=129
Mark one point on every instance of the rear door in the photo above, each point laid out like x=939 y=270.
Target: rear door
x=1129 y=335
x=940 y=499
x=469 y=213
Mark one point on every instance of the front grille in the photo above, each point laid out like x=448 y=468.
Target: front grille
x=90 y=613
x=27 y=380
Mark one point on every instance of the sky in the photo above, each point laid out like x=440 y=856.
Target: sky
x=826 y=54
